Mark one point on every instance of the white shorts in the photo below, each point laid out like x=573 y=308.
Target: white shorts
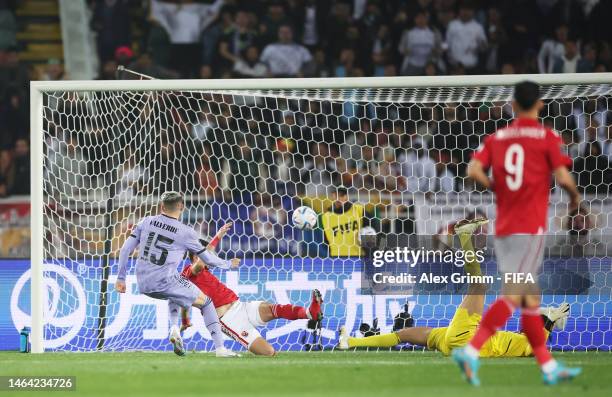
x=240 y=322
x=519 y=253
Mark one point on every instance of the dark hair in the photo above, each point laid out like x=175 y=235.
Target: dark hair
x=526 y=94
x=170 y=200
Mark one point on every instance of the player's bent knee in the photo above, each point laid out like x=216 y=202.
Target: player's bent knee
x=261 y=347
x=268 y=351
x=265 y=312
x=199 y=302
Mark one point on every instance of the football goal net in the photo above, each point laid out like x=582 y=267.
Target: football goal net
x=250 y=152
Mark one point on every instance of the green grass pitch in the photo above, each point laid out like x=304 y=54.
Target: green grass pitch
x=373 y=374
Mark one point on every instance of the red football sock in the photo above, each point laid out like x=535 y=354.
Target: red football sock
x=494 y=318
x=289 y=312
x=533 y=328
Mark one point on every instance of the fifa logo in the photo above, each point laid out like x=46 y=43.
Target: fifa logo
x=345 y=227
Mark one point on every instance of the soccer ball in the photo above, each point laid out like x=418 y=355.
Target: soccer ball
x=304 y=218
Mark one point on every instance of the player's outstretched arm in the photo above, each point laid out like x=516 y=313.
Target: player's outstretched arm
x=567 y=183
x=126 y=250
x=477 y=173
x=193 y=244
x=220 y=234
x=211 y=259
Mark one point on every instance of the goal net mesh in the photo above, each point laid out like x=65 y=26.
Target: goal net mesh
x=252 y=157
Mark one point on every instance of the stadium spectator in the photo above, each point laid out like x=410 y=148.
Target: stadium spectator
x=207 y=173
x=586 y=64
x=466 y=39
x=431 y=69
x=320 y=67
x=124 y=55
x=593 y=172
x=8 y=27
x=419 y=46
x=280 y=171
x=203 y=128
x=350 y=149
x=13 y=116
x=184 y=24
x=313 y=23
x=338 y=23
x=132 y=176
x=444 y=181
x=579 y=242
x=249 y=65
x=498 y=38
x=111 y=22
x=382 y=50
x=241 y=171
x=319 y=171
x=7 y=170
x=206 y=72
x=507 y=68
x=54 y=71
x=234 y=43
x=108 y=71
x=269 y=219
x=419 y=174
x=346 y=67
x=4 y=191
x=387 y=175
x=144 y=64
x=607 y=143
x=158 y=43
x=12 y=72
x=569 y=61
x=272 y=21
x=285 y=58
x=21 y=165
x=571 y=146
x=552 y=49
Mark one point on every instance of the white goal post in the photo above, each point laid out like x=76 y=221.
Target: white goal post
x=486 y=88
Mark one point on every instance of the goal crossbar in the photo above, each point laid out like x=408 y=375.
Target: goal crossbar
x=322 y=83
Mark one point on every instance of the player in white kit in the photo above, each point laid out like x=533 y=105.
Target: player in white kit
x=162 y=241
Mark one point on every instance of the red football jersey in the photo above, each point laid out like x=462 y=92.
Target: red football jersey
x=522 y=157
x=211 y=286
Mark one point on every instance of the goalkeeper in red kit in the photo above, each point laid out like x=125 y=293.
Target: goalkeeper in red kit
x=522 y=158
x=239 y=320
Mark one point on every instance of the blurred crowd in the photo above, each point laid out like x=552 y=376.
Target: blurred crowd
x=322 y=38
x=387 y=148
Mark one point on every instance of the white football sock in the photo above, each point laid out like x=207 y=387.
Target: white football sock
x=471 y=351
x=549 y=366
x=212 y=323
x=174 y=311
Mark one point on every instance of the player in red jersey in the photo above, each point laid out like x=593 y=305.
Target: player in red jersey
x=239 y=320
x=522 y=158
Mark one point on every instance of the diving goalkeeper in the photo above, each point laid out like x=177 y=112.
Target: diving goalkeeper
x=466 y=319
